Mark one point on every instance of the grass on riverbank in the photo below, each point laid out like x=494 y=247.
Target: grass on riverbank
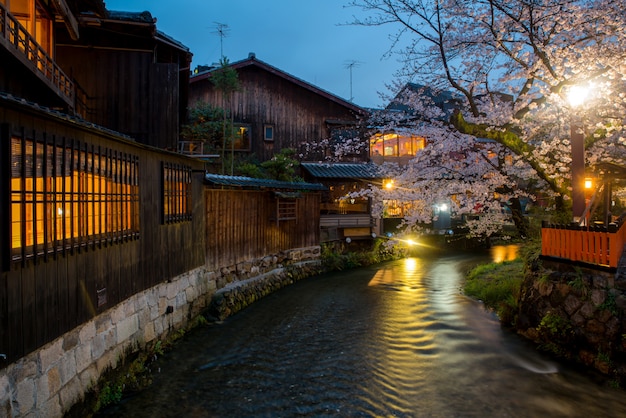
x=497 y=285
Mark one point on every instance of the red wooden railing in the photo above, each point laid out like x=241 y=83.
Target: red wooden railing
x=18 y=40
x=598 y=245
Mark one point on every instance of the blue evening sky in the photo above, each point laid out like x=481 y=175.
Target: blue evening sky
x=303 y=38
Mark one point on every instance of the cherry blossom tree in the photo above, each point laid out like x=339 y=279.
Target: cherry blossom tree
x=511 y=64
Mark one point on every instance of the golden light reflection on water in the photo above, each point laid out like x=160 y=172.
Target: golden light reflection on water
x=402 y=344
x=502 y=253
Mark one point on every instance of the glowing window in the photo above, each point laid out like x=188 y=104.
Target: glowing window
x=65 y=196
x=241 y=136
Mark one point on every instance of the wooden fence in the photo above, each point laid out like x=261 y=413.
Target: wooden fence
x=243 y=225
x=599 y=246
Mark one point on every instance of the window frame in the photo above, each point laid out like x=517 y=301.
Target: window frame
x=176 y=193
x=64 y=194
x=269 y=138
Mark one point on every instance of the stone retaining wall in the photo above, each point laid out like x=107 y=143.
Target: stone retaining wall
x=576 y=313
x=49 y=381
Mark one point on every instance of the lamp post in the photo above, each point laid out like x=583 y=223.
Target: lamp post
x=576 y=96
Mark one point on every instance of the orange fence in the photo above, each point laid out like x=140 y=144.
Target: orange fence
x=594 y=245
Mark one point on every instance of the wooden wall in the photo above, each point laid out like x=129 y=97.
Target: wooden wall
x=241 y=225
x=127 y=92
x=298 y=115
x=43 y=297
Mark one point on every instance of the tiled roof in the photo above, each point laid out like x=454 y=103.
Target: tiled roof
x=249 y=182
x=342 y=170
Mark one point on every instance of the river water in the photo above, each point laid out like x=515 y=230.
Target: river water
x=395 y=340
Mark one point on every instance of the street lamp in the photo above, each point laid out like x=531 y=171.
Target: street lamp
x=577 y=96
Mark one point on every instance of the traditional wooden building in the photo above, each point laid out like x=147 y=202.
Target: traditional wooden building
x=132 y=77
x=88 y=218
x=343 y=215
x=273 y=110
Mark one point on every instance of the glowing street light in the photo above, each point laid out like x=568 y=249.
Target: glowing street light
x=577 y=96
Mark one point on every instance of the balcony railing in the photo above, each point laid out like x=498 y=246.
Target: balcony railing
x=596 y=245
x=16 y=39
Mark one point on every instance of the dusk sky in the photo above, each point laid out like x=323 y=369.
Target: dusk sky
x=306 y=39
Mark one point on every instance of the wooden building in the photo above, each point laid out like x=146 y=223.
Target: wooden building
x=88 y=218
x=132 y=77
x=114 y=69
x=343 y=216
x=275 y=110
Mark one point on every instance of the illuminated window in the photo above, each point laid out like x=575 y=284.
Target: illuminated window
x=69 y=195
x=176 y=193
x=242 y=137
x=396 y=145
x=34 y=17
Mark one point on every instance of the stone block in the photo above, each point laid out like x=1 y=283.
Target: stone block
x=71 y=394
x=71 y=339
x=180 y=301
x=598 y=296
x=191 y=294
x=126 y=328
x=52 y=407
x=88 y=378
x=571 y=304
x=25 y=368
x=149 y=332
x=67 y=368
x=25 y=396
x=98 y=346
x=103 y=322
x=43 y=388
x=5 y=386
x=172 y=291
x=87 y=332
x=83 y=357
x=51 y=354
x=53 y=381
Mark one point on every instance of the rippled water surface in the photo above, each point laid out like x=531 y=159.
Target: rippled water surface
x=395 y=340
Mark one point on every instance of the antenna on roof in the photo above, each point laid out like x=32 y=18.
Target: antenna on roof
x=221 y=29
x=349 y=65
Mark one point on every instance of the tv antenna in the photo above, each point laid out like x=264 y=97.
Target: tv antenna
x=221 y=29
x=350 y=65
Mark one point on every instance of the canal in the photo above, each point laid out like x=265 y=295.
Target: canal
x=395 y=340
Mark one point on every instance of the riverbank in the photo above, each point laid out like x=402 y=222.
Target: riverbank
x=573 y=313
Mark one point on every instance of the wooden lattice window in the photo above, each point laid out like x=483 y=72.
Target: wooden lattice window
x=176 y=193
x=66 y=194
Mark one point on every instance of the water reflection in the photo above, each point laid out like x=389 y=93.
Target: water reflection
x=396 y=340
x=500 y=253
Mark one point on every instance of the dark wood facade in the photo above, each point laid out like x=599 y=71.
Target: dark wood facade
x=135 y=79
x=61 y=283
x=297 y=112
x=242 y=225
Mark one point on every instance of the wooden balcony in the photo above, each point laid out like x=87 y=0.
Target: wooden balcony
x=16 y=39
x=594 y=245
